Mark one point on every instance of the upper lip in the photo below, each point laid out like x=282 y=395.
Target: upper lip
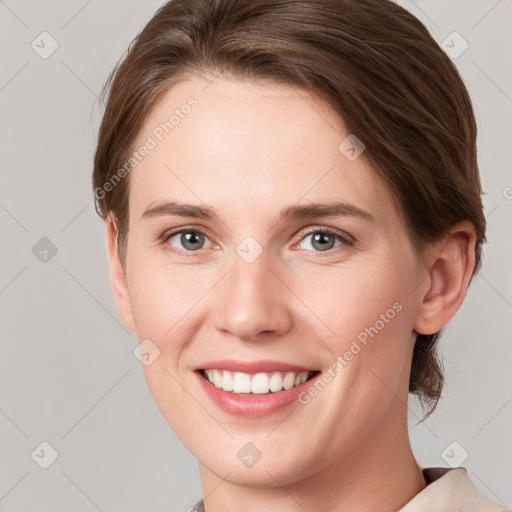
x=252 y=366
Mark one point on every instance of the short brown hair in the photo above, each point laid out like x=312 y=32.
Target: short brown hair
x=372 y=61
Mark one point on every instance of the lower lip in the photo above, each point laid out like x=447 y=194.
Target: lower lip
x=252 y=405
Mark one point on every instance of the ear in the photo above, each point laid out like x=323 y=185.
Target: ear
x=451 y=262
x=118 y=276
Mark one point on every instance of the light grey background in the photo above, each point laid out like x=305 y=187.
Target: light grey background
x=68 y=375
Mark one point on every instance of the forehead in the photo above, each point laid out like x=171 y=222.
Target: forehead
x=233 y=144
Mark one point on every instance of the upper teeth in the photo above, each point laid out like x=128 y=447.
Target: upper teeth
x=260 y=383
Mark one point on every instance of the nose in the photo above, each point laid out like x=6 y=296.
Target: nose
x=252 y=302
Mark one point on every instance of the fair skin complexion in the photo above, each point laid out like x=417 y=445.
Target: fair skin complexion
x=249 y=150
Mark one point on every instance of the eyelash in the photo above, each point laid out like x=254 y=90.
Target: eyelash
x=346 y=239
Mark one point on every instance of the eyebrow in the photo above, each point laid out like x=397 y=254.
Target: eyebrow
x=290 y=213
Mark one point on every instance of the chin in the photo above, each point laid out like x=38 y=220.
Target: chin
x=270 y=475
x=239 y=463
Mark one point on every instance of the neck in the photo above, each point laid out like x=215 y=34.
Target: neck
x=379 y=474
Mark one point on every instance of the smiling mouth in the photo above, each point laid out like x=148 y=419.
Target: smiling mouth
x=258 y=383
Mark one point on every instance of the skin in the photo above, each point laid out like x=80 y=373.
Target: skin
x=249 y=150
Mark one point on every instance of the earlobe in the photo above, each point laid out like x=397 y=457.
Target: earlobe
x=452 y=261
x=118 y=276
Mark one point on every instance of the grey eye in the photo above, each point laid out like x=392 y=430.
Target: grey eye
x=321 y=241
x=189 y=240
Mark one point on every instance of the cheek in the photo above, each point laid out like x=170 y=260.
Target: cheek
x=347 y=301
x=364 y=316
x=165 y=298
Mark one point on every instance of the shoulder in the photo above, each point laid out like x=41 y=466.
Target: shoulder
x=450 y=489
x=198 y=507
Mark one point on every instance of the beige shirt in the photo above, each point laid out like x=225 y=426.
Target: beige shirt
x=448 y=490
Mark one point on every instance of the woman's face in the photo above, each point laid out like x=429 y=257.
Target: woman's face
x=259 y=286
